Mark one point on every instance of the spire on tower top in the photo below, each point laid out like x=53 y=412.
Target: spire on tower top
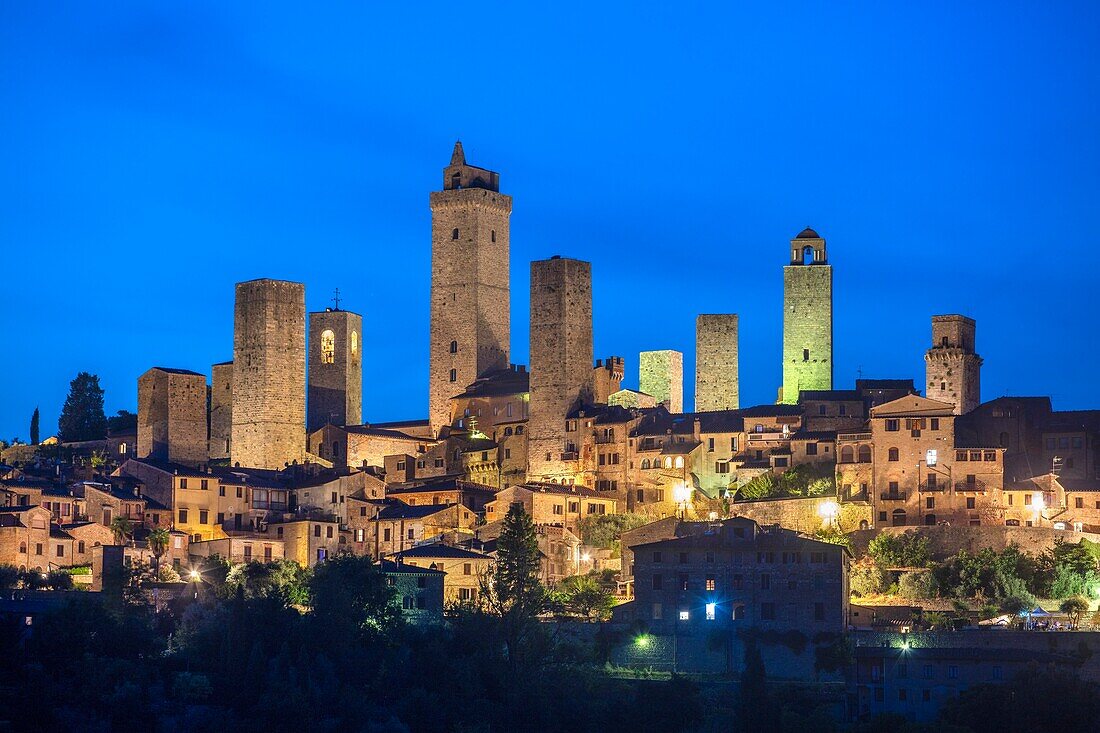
x=458 y=157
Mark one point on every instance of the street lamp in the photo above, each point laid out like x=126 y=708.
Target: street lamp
x=681 y=494
x=828 y=510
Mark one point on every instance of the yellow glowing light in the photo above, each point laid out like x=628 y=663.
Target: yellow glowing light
x=195 y=575
x=828 y=510
x=586 y=557
x=681 y=493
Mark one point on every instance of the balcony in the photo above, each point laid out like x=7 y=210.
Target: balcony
x=767 y=437
x=932 y=486
x=571 y=455
x=605 y=439
x=975 y=485
x=892 y=496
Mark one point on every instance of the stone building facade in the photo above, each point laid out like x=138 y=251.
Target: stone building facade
x=661 y=374
x=172 y=416
x=470 y=317
x=716 y=376
x=807 y=318
x=607 y=378
x=561 y=364
x=221 y=411
x=269 y=374
x=335 y=369
x=952 y=368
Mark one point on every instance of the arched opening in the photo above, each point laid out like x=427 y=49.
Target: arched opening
x=454 y=375
x=519 y=430
x=847 y=455
x=454 y=234
x=863 y=524
x=507 y=432
x=645 y=463
x=668 y=462
x=354 y=343
x=930 y=520
x=897 y=518
x=865 y=454
x=679 y=461
x=328 y=347
x=454 y=347
x=807 y=255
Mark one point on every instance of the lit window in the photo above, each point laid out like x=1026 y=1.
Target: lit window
x=710 y=611
x=328 y=347
x=354 y=343
x=684 y=615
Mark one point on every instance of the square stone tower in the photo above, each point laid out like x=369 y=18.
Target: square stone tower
x=221 y=410
x=807 y=318
x=661 y=374
x=335 y=369
x=716 y=380
x=172 y=416
x=269 y=374
x=952 y=367
x=607 y=378
x=470 y=321
x=561 y=365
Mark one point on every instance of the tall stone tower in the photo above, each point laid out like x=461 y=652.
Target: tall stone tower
x=470 y=323
x=661 y=374
x=221 y=410
x=335 y=369
x=807 y=318
x=952 y=368
x=172 y=416
x=716 y=380
x=269 y=374
x=561 y=365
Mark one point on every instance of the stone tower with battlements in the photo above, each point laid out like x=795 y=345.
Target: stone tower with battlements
x=952 y=367
x=269 y=374
x=807 y=318
x=221 y=410
x=470 y=322
x=335 y=369
x=716 y=380
x=661 y=374
x=561 y=366
x=172 y=416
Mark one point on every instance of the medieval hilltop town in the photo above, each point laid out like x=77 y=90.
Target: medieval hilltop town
x=722 y=518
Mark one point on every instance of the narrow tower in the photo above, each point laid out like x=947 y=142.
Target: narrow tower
x=716 y=380
x=335 y=369
x=661 y=374
x=469 y=301
x=807 y=318
x=952 y=367
x=172 y=416
x=221 y=410
x=269 y=374
x=561 y=365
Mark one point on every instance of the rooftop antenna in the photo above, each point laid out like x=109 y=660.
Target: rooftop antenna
x=859 y=372
x=336 y=298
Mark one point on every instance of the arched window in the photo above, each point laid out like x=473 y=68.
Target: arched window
x=328 y=347
x=22 y=548
x=122 y=448
x=668 y=461
x=454 y=234
x=679 y=461
x=847 y=455
x=863 y=524
x=354 y=341
x=645 y=463
x=507 y=432
x=454 y=347
x=519 y=430
x=865 y=454
x=892 y=454
x=897 y=519
x=807 y=255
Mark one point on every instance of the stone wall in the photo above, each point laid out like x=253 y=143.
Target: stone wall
x=470 y=318
x=716 y=374
x=561 y=363
x=807 y=326
x=172 y=416
x=803 y=515
x=269 y=374
x=661 y=374
x=947 y=541
x=952 y=368
x=335 y=369
x=221 y=410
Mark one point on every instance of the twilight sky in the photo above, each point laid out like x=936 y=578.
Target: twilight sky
x=152 y=157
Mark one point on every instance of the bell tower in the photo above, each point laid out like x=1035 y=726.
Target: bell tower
x=807 y=318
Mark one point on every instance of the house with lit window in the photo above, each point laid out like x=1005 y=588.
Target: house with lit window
x=554 y=504
x=416 y=590
x=466 y=569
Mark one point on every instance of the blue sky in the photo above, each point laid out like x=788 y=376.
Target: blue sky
x=153 y=156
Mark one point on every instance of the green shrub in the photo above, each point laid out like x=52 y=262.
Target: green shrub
x=867 y=579
x=907 y=550
x=917 y=585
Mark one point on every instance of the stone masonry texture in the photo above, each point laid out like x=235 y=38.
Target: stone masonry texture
x=561 y=360
x=336 y=380
x=661 y=374
x=221 y=410
x=269 y=374
x=470 y=318
x=952 y=368
x=172 y=416
x=807 y=319
x=716 y=376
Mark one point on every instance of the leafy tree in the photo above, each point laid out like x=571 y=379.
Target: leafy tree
x=158 y=542
x=59 y=580
x=605 y=530
x=1074 y=607
x=34 y=427
x=122 y=422
x=350 y=595
x=763 y=486
x=122 y=528
x=867 y=579
x=82 y=416
x=756 y=712
x=284 y=580
x=582 y=595
x=9 y=577
x=1035 y=700
x=917 y=585
x=833 y=535
x=1068 y=569
x=906 y=550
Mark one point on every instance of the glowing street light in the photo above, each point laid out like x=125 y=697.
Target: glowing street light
x=641 y=641
x=828 y=510
x=195 y=575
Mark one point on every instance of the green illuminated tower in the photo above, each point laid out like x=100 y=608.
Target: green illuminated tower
x=807 y=318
